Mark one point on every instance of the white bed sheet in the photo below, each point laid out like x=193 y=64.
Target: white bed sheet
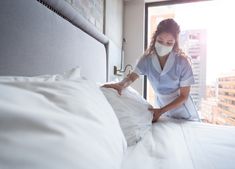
x=61 y=124
x=183 y=145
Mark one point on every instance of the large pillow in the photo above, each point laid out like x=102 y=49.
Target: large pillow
x=132 y=112
x=58 y=125
x=72 y=74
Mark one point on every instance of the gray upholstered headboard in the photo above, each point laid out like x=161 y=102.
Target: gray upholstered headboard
x=34 y=40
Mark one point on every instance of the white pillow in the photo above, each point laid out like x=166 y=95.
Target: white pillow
x=59 y=124
x=132 y=112
x=72 y=74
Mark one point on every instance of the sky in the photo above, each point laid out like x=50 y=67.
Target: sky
x=217 y=18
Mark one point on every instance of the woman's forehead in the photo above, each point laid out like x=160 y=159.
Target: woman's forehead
x=166 y=36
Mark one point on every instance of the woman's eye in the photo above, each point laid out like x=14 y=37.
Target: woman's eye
x=160 y=42
x=170 y=44
x=167 y=44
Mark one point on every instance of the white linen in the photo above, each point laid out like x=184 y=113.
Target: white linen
x=72 y=74
x=132 y=111
x=177 y=144
x=58 y=125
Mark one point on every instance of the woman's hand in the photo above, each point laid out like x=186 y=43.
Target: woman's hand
x=117 y=86
x=123 y=84
x=156 y=114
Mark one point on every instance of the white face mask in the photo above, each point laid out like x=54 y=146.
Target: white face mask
x=162 y=50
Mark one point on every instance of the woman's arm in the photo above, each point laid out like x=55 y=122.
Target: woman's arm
x=184 y=93
x=129 y=79
x=124 y=83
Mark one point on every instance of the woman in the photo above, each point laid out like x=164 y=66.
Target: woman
x=169 y=73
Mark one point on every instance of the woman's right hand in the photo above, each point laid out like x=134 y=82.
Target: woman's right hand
x=117 y=86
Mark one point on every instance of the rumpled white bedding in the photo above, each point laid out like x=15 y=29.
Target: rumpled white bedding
x=132 y=112
x=70 y=124
x=58 y=125
x=178 y=144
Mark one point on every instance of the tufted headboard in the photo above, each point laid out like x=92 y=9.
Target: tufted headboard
x=48 y=36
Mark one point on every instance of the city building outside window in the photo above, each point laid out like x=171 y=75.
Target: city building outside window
x=208 y=40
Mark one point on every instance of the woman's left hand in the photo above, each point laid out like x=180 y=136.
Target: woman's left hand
x=156 y=114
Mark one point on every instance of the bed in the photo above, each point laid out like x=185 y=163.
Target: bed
x=175 y=143
x=54 y=114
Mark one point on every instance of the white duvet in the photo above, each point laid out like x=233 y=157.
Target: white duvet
x=58 y=125
x=71 y=125
x=176 y=144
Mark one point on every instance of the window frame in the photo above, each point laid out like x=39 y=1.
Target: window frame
x=155 y=4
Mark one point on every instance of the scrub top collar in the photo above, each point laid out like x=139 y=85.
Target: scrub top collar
x=168 y=65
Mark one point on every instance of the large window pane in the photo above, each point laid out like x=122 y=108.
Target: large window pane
x=207 y=37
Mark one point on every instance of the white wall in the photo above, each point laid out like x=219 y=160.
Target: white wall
x=134 y=35
x=91 y=10
x=114 y=31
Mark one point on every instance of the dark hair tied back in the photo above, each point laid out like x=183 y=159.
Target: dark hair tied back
x=169 y=26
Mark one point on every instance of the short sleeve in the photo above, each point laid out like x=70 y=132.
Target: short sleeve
x=141 y=66
x=186 y=77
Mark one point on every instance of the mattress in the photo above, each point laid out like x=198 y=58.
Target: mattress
x=182 y=144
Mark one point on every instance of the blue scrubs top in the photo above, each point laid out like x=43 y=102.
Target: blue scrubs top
x=177 y=72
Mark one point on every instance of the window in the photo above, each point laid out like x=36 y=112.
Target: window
x=208 y=39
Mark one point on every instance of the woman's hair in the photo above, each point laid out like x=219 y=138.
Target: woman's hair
x=168 y=26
